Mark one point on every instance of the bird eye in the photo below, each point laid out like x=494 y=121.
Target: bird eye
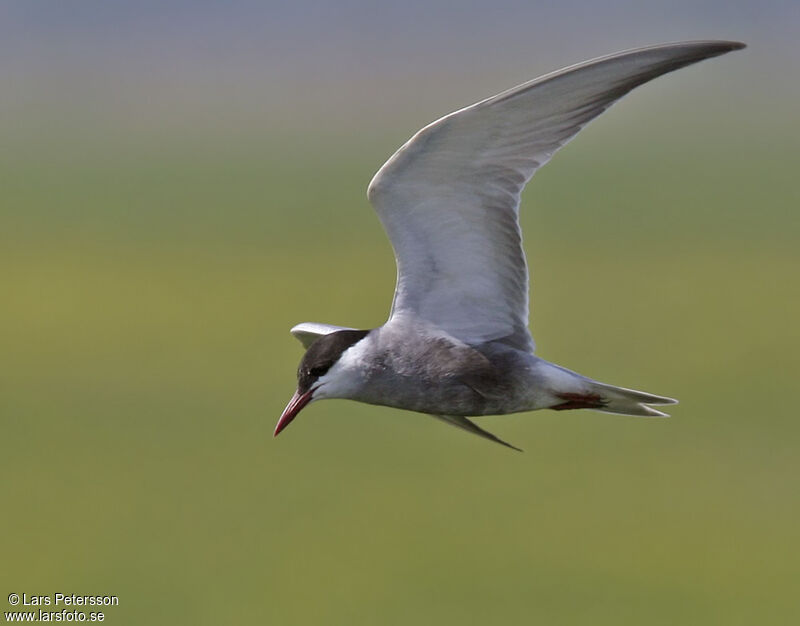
x=319 y=370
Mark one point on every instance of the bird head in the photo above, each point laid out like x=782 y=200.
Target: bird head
x=322 y=373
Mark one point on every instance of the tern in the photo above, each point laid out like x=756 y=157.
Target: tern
x=456 y=344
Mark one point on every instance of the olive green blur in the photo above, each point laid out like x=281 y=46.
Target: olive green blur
x=149 y=282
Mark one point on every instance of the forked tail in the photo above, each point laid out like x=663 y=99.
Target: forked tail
x=611 y=399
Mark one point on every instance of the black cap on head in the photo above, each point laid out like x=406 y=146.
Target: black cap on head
x=323 y=353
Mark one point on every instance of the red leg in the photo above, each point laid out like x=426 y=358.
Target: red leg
x=579 y=401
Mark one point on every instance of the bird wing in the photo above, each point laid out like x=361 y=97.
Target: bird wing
x=449 y=197
x=309 y=332
x=471 y=427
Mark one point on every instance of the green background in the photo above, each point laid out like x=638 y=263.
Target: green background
x=151 y=270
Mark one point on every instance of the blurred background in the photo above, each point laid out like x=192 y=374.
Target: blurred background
x=182 y=182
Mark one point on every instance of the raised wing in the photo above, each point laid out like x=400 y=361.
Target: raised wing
x=308 y=332
x=449 y=198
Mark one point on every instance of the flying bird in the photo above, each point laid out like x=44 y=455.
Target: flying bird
x=456 y=344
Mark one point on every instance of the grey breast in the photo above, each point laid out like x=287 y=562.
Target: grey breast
x=434 y=375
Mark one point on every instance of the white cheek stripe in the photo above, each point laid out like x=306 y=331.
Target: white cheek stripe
x=344 y=378
x=353 y=356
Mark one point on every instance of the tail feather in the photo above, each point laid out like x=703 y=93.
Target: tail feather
x=629 y=401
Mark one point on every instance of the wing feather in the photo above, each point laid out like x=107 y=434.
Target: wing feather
x=449 y=197
x=308 y=332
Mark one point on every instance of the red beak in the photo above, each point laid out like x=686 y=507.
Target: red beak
x=298 y=401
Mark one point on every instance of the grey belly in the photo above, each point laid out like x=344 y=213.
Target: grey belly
x=442 y=378
x=438 y=397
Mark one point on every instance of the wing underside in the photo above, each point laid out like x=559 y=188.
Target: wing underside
x=449 y=198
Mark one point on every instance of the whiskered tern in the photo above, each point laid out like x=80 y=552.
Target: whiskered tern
x=456 y=344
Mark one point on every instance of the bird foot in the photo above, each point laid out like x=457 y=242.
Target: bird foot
x=579 y=401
